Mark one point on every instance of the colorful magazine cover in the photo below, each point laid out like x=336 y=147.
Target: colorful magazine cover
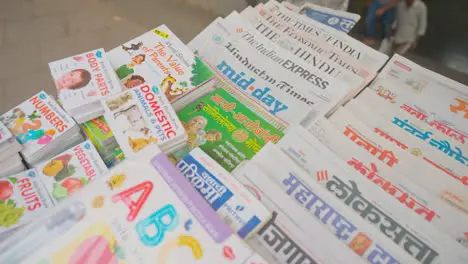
x=225 y=129
x=241 y=211
x=142 y=116
x=23 y=198
x=159 y=57
x=137 y=213
x=37 y=122
x=69 y=171
x=84 y=79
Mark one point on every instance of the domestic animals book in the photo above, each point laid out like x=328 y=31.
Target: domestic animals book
x=23 y=198
x=160 y=58
x=225 y=129
x=241 y=211
x=82 y=81
x=41 y=125
x=71 y=170
x=142 y=116
x=137 y=213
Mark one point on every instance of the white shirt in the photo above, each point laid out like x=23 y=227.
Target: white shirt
x=411 y=22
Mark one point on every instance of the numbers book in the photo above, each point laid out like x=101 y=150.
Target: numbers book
x=225 y=129
x=159 y=57
x=69 y=171
x=142 y=116
x=23 y=198
x=242 y=212
x=42 y=127
x=137 y=213
x=82 y=81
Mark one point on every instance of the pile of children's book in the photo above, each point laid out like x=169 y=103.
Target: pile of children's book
x=271 y=137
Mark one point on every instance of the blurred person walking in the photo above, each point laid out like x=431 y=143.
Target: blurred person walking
x=410 y=25
x=379 y=8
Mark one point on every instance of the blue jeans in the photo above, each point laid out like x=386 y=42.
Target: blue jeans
x=371 y=19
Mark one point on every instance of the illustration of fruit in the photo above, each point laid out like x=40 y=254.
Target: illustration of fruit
x=52 y=168
x=44 y=140
x=9 y=214
x=6 y=190
x=65 y=172
x=59 y=192
x=96 y=249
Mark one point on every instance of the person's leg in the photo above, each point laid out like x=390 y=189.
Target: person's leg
x=403 y=48
x=372 y=18
x=387 y=19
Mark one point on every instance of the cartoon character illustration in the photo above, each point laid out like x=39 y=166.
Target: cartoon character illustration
x=133 y=46
x=17 y=113
x=201 y=73
x=15 y=121
x=136 y=122
x=30 y=135
x=119 y=101
x=34 y=115
x=134 y=81
x=140 y=143
x=127 y=69
x=203 y=137
x=172 y=92
x=73 y=80
x=195 y=129
x=116 y=181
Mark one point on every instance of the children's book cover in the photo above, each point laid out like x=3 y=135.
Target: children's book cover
x=70 y=170
x=37 y=122
x=159 y=57
x=142 y=116
x=241 y=211
x=99 y=132
x=84 y=78
x=225 y=129
x=5 y=134
x=138 y=213
x=22 y=199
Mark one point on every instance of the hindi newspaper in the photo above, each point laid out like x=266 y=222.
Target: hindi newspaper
x=363 y=193
x=288 y=21
x=289 y=99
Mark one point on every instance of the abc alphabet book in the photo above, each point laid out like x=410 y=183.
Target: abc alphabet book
x=142 y=116
x=137 y=213
x=69 y=171
x=159 y=57
x=225 y=129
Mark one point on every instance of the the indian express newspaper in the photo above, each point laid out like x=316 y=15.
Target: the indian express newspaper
x=273 y=89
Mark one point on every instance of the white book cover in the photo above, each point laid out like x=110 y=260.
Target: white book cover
x=291 y=231
x=284 y=185
x=409 y=133
x=23 y=198
x=159 y=57
x=278 y=92
x=142 y=116
x=392 y=181
x=420 y=88
x=5 y=134
x=84 y=79
x=287 y=21
x=255 y=259
x=337 y=19
x=341 y=84
x=71 y=170
x=140 y=212
x=241 y=211
x=37 y=122
x=11 y=165
x=366 y=198
x=315 y=51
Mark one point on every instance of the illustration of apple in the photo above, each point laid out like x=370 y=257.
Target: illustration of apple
x=6 y=190
x=95 y=249
x=73 y=184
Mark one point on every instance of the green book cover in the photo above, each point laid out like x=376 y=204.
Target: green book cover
x=100 y=133
x=225 y=129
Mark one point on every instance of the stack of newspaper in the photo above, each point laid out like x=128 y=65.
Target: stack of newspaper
x=82 y=81
x=10 y=161
x=42 y=127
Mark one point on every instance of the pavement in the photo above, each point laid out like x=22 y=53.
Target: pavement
x=36 y=32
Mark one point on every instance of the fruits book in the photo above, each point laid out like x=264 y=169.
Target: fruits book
x=142 y=116
x=241 y=211
x=37 y=122
x=159 y=57
x=22 y=199
x=69 y=171
x=137 y=213
x=225 y=129
x=83 y=80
